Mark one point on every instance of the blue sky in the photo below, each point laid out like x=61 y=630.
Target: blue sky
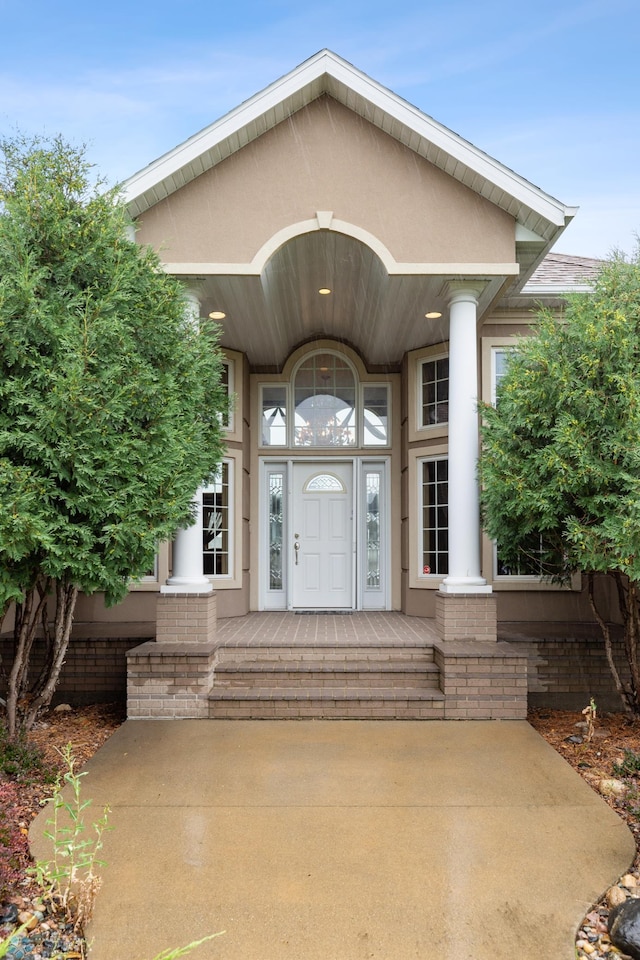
x=549 y=88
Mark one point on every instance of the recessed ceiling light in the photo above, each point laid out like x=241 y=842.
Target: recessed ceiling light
x=217 y=315
x=433 y=315
x=324 y=291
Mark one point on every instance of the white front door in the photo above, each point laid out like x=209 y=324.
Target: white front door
x=322 y=536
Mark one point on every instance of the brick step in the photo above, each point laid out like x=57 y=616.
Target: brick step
x=326 y=666
x=329 y=654
x=331 y=677
x=350 y=681
x=329 y=703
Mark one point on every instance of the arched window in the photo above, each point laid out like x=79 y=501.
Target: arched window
x=324 y=405
x=324 y=398
x=324 y=483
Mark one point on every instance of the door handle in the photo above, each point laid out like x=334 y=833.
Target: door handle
x=296 y=548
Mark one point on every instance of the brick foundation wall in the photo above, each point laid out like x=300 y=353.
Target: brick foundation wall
x=564 y=672
x=94 y=671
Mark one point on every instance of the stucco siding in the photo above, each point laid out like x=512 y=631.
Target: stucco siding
x=325 y=157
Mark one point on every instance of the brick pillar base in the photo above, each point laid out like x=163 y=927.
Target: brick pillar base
x=466 y=616
x=480 y=678
x=186 y=617
x=482 y=681
x=170 y=680
x=173 y=676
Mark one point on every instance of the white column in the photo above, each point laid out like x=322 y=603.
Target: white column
x=192 y=311
x=464 y=502
x=187 y=574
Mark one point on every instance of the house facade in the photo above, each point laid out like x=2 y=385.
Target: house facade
x=369 y=270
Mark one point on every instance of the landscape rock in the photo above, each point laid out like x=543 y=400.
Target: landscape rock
x=624 y=927
x=610 y=787
x=615 y=896
x=8 y=913
x=19 y=949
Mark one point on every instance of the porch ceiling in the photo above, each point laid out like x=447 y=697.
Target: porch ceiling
x=381 y=314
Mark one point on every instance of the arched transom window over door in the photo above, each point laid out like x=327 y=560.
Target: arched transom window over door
x=324 y=394
x=325 y=405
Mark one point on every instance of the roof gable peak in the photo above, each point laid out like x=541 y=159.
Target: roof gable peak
x=327 y=73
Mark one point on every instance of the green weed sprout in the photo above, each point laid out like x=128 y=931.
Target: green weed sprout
x=181 y=951
x=69 y=879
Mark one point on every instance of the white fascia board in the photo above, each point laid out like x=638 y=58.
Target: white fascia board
x=554 y=289
x=485 y=271
x=326 y=64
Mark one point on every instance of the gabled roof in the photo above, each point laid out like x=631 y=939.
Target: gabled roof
x=326 y=73
x=558 y=275
x=563 y=272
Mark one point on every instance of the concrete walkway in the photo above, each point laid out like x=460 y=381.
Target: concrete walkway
x=320 y=840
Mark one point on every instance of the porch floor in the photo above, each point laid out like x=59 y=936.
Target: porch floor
x=379 y=628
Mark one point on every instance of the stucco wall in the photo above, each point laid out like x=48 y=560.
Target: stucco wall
x=325 y=157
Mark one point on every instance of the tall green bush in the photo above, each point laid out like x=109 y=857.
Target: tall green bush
x=110 y=404
x=560 y=462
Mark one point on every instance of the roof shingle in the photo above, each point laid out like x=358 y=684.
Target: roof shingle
x=564 y=270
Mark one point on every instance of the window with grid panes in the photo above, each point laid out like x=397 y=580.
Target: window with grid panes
x=435 y=391
x=434 y=491
x=216 y=524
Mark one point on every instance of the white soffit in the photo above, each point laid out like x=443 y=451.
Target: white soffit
x=326 y=73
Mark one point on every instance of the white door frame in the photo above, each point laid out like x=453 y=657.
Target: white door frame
x=364 y=597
